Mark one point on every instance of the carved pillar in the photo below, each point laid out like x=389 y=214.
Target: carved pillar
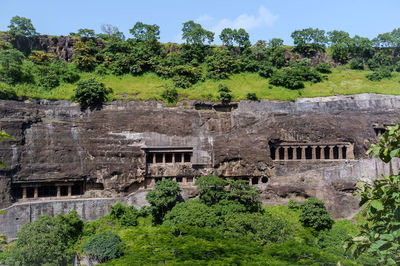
x=285 y=153
x=340 y=152
x=173 y=157
x=294 y=153
x=36 y=193
x=58 y=191
x=331 y=152
x=322 y=152
x=182 y=158
x=24 y=194
x=154 y=158
x=350 y=152
x=69 y=190
x=303 y=152
x=277 y=153
x=184 y=181
x=313 y=152
x=163 y=158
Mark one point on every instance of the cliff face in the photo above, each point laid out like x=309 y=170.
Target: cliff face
x=110 y=150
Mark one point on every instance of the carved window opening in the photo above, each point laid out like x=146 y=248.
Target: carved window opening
x=308 y=153
x=254 y=181
x=168 y=155
x=298 y=151
x=290 y=153
x=264 y=179
x=179 y=179
x=46 y=190
x=326 y=153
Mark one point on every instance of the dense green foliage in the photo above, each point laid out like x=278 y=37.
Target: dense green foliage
x=381 y=235
x=91 y=93
x=125 y=215
x=46 y=241
x=314 y=215
x=103 y=247
x=163 y=199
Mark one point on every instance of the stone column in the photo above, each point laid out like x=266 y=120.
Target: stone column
x=313 y=152
x=173 y=157
x=285 y=153
x=294 y=153
x=69 y=190
x=277 y=153
x=340 y=152
x=36 y=193
x=322 y=153
x=184 y=181
x=163 y=158
x=350 y=151
x=331 y=152
x=182 y=158
x=154 y=158
x=303 y=152
x=58 y=191
x=24 y=194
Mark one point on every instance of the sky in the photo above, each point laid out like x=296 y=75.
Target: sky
x=263 y=20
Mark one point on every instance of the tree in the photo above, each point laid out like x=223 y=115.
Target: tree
x=225 y=94
x=211 y=189
x=381 y=235
x=86 y=33
x=231 y=36
x=309 y=41
x=275 y=42
x=109 y=29
x=163 y=199
x=90 y=93
x=227 y=37
x=193 y=33
x=104 y=247
x=22 y=33
x=314 y=215
x=83 y=57
x=47 y=240
x=145 y=32
x=338 y=36
x=11 y=66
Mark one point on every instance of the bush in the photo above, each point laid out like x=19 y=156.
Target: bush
x=11 y=66
x=265 y=71
x=287 y=78
x=49 y=81
x=124 y=214
x=251 y=96
x=357 y=64
x=91 y=93
x=170 y=95
x=221 y=64
x=380 y=59
x=323 y=68
x=104 y=247
x=185 y=76
x=225 y=95
x=314 y=215
x=379 y=74
x=7 y=93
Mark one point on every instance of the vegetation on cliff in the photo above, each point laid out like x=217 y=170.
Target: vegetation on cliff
x=320 y=64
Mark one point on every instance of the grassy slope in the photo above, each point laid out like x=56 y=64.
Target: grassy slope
x=150 y=86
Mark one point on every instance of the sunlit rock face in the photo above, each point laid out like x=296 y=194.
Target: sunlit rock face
x=61 y=151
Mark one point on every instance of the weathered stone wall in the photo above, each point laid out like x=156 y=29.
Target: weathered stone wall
x=57 y=142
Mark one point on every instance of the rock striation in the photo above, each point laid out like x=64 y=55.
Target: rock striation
x=125 y=146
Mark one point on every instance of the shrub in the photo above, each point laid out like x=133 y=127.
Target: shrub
x=7 y=93
x=49 y=81
x=11 y=66
x=252 y=96
x=287 y=78
x=379 y=74
x=357 y=64
x=323 y=68
x=211 y=189
x=221 y=64
x=265 y=71
x=185 y=76
x=170 y=95
x=124 y=214
x=340 y=52
x=91 y=92
x=225 y=95
x=380 y=59
x=69 y=76
x=314 y=215
x=104 y=247
x=41 y=57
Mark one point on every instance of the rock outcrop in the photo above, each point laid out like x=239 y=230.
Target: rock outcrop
x=107 y=151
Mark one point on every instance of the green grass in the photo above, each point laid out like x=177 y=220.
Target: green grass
x=150 y=86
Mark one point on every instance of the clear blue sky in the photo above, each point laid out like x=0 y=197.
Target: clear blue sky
x=262 y=19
